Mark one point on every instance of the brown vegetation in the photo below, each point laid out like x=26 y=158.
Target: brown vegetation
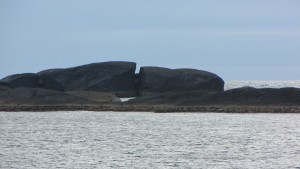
x=157 y=108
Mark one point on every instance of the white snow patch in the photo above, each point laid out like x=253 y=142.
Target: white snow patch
x=126 y=99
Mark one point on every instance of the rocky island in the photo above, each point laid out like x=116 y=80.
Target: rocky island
x=99 y=87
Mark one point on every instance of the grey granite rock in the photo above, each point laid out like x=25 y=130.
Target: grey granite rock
x=38 y=96
x=159 y=80
x=238 y=96
x=4 y=88
x=31 y=80
x=115 y=77
x=96 y=96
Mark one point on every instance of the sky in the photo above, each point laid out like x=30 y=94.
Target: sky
x=238 y=40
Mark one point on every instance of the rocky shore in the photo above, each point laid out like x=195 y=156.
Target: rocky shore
x=99 y=87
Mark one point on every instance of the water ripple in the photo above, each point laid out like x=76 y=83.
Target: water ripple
x=148 y=140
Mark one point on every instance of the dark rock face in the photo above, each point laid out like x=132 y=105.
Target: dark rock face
x=169 y=98
x=99 y=97
x=22 y=80
x=32 y=80
x=3 y=88
x=238 y=96
x=38 y=96
x=4 y=83
x=49 y=83
x=253 y=96
x=116 y=77
x=157 y=80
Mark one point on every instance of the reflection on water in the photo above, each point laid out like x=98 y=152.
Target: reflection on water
x=148 y=140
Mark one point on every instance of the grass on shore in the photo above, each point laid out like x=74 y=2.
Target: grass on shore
x=155 y=108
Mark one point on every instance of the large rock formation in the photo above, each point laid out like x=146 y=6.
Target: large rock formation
x=118 y=78
x=157 y=80
x=31 y=80
x=38 y=96
x=102 y=82
x=115 y=77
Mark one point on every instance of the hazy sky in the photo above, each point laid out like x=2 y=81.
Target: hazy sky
x=249 y=39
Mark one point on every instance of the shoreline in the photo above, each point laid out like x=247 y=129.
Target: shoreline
x=155 y=108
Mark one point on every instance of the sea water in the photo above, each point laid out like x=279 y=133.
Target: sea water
x=231 y=84
x=148 y=140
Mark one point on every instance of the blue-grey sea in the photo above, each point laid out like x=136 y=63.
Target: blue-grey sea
x=231 y=84
x=80 y=139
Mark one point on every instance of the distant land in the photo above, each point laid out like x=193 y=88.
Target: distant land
x=99 y=87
